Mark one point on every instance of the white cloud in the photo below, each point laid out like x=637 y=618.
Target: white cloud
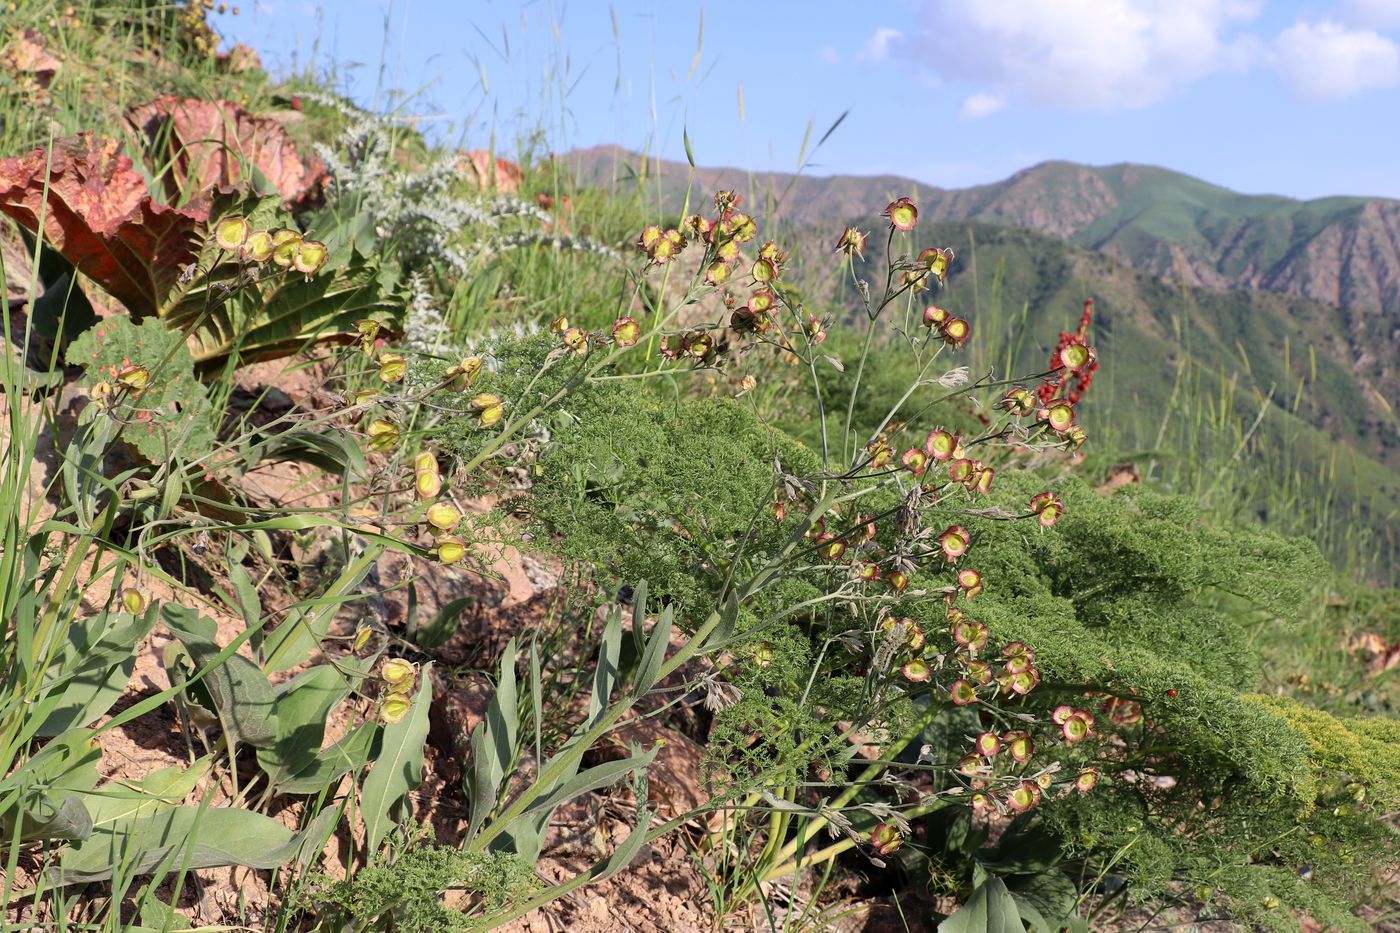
x=830 y=56
x=1372 y=14
x=981 y=105
x=1076 y=54
x=1326 y=60
x=877 y=47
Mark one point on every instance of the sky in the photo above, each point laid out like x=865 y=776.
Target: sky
x=1292 y=97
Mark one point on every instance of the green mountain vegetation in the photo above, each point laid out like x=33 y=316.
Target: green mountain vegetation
x=1200 y=343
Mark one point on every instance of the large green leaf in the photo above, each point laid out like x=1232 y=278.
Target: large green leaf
x=302 y=708
x=244 y=700
x=990 y=909
x=398 y=768
x=189 y=837
x=349 y=754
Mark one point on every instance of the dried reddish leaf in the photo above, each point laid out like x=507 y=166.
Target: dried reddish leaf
x=204 y=145
x=28 y=55
x=486 y=173
x=99 y=216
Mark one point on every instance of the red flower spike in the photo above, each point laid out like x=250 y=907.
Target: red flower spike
x=903 y=215
x=962 y=692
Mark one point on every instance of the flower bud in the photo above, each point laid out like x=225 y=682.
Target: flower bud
x=935 y=316
x=368 y=330
x=576 y=339
x=1019 y=402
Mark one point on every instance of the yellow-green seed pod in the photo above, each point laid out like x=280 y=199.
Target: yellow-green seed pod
x=444 y=516
x=362 y=636
x=398 y=671
x=134 y=601
x=395 y=708
x=258 y=247
x=310 y=257
x=450 y=549
x=285 y=244
x=231 y=233
x=383 y=434
x=492 y=415
x=135 y=378
x=464 y=374
x=392 y=367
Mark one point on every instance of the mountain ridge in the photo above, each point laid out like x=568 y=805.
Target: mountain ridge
x=1342 y=250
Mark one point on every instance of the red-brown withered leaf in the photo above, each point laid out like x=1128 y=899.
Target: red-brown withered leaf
x=485 y=173
x=27 y=55
x=99 y=216
x=204 y=145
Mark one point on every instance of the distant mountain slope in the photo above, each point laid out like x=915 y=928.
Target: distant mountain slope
x=1343 y=252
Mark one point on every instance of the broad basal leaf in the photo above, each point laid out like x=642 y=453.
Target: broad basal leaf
x=99 y=215
x=198 y=146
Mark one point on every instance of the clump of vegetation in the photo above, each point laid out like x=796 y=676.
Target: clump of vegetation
x=912 y=638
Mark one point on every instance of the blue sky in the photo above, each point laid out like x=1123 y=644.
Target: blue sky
x=1300 y=98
